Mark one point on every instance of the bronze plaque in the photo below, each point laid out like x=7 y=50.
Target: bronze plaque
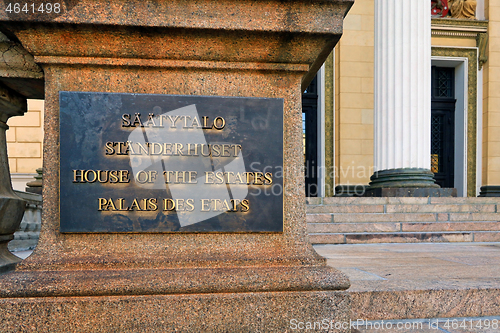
x=169 y=163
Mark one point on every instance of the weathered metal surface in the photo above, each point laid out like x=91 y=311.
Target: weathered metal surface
x=166 y=163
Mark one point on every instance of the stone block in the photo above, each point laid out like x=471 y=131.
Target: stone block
x=358 y=37
x=368 y=23
x=346 y=209
x=356 y=100
x=319 y=218
x=12 y=164
x=29 y=134
x=475 y=217
x=11 y=134
x=443 y=217
x=379 y=217
x=461 y=200
x=432 y=303
x=224 y=312
x=450 y=226
x=409 y=237
x=314 y=201
x=363 y=7
x=352 y=22
x=367 y=87
x=352 y=146
x=36 y=104
x=408 y=200
x=354 y=201
x=357 y=53
x=349 y=85
x=367 y=145
x=487 y=236
x=30 y=119
x=438 y=208
x=28 y=165
x=16 y=149
x=352 y=227
x=327 y=238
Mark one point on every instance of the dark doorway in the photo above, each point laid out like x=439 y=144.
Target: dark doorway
x=443 y=125
x=310 y=137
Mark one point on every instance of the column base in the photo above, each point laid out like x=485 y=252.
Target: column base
x=490 y=191
x=405 y=177
x=411 y=192
x=406 y=182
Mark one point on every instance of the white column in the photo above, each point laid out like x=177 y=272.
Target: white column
x=402 y=84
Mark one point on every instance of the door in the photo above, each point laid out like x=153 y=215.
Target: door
x=310 y=137
x=443 y=126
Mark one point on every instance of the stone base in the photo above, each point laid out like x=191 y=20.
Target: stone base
x=410 y=192
x=405 y=177
x=201 y=299
x=222 y=312
x=490 y=191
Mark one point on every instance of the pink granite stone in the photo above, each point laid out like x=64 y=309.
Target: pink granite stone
x=136 y=282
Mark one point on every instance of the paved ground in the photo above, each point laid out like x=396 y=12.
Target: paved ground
x=417 y=266
x=420 y=266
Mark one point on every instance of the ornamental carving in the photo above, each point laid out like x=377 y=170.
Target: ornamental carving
x=439 y=8
x=460 y=9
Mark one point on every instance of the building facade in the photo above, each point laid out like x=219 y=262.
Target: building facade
x=24 y=144
x=461 y=97
x=339 y=112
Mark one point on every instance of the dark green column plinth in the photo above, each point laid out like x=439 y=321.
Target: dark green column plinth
x=490 y=191
x=407 y=182
x=411 y=177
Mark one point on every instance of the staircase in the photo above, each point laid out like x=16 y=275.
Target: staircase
x=353 y=220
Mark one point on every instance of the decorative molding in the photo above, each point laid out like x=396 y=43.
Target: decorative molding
x=482 y=43
x=460 y=28
x=453 y=33
x=463 y=28
x=459 y=24
x=472 y=55
x=329 y=126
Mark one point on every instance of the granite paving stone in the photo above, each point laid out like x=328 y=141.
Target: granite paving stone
x=420 y=280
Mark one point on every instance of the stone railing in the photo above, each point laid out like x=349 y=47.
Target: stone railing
x=26 y=236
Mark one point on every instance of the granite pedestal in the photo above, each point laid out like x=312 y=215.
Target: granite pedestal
x=245 y=281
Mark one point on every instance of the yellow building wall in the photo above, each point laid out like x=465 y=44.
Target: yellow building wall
x=24 y=139
x=354 y=103
x=453 y=42
x=491 y=98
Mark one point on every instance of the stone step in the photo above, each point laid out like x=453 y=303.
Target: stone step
x=402 y=227
x=420 y=280
x=401 y=217
x=342 y=220
x=404 y=237
x=400 y=200
x=404 y=208
x=345 y=209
